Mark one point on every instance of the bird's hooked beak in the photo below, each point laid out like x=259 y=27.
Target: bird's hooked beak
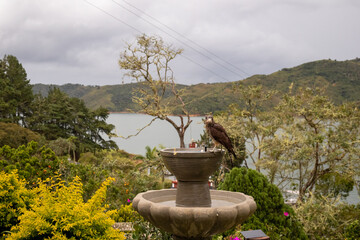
x=208 y=119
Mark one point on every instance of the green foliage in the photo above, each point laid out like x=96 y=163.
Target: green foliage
x=59 y=116
x=315 y=139
x=335 y=184
x=327 y=218
x=153 y=163
x=59 y=212
x=14 y=198
x=31 y=161
x=130 y=176
x=306 y=142
x=126 y=213
x=62 y=146
x=249 y=124
x=116 y=98
x=14 y=135
x=63 y=195
x=16 y=92
x=269 y=215
x=144 y=230
x=54 y=116
x=352 y=231
x=91 y=176
x=89 y=158
x=341 y=79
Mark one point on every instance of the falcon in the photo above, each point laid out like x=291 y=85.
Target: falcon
x=218 y=134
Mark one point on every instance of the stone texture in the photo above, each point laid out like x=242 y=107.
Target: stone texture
x=192 y=169
x=194 y=222
x=193 y=212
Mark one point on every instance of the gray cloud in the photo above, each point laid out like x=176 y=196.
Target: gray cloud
x=72 y=41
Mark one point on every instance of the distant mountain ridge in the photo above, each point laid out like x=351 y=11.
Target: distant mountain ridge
x=341 y=79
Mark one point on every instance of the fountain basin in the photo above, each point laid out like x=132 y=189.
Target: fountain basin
x=192 y=164
x=227 y=210
x=192 y=168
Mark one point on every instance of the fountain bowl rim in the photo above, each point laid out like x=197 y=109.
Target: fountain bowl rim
x=191 y=152
x=245 y=200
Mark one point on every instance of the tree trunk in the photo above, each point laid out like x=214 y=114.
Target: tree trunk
x=181 y=136
x=180 y=129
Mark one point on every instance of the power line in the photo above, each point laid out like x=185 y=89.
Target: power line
x=137 y=30
x=116 y=18
x=181 y=35
x=177 y=39
x=209 y=70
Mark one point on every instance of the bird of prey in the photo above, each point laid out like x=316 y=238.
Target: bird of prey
x=218 y=134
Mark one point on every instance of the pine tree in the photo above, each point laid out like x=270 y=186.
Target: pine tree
x=16 y=92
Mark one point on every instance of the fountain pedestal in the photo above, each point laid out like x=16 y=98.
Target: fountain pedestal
x=193 y=194
x=193 y=212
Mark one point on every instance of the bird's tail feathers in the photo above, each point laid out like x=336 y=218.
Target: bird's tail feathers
x=233 y=153
x=232 y=160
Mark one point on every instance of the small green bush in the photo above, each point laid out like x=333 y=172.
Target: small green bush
x=352 y=232
x=31 y=161
x=272 y=215
x=13 y=135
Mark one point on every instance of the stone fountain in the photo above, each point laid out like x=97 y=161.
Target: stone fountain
x=192 y=211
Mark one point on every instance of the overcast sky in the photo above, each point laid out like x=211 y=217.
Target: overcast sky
x=79 y=41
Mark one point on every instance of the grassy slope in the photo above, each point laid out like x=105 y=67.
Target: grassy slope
x=341 y=79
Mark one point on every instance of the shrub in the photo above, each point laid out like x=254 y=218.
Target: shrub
x=272 y=215
x=13 y=135
x=126 y=213
x=59 y=212
x=13 y=198
x=31 y=161
x=352 y=232
x=327 y=217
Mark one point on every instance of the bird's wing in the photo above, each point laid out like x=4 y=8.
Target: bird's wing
x=219 y=127
x=219 y=134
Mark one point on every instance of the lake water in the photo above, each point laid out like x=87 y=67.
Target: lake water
x=162 y=132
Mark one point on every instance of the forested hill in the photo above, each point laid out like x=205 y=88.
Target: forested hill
x=341 y=79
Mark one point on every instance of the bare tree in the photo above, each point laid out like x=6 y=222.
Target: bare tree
x=147 y=62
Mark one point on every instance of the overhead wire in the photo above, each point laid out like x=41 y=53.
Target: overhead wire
x=109 y=14
x=137 y=30
x=184 y=56
x=181 y=35
x=177 y=39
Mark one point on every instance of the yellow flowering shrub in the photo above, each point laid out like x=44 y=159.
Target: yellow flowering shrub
x=13 y=197
x=126 y=213
x=59 y=212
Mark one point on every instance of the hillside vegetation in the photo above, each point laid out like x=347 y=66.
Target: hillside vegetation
x=341 y=79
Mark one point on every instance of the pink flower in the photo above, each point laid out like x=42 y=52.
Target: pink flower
x=286 y=214
x=129 y=201
x=236 y=238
